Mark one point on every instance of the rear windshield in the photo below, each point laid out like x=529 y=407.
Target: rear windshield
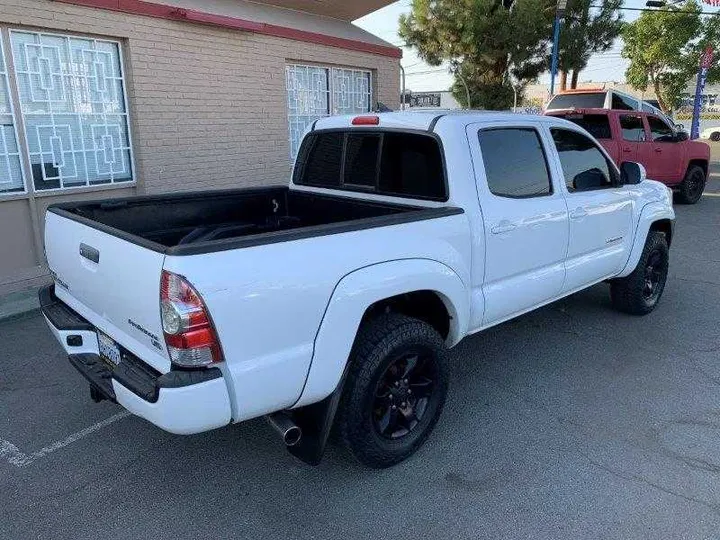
x=386 y=163
x=598 y=125
x=594 y=100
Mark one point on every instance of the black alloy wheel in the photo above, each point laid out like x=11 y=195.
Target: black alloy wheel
x=403 y=394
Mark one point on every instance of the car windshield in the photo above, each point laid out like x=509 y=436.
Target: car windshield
x=589 y=100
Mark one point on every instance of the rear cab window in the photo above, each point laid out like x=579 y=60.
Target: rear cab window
x=394 y=163
x=598 y=125
x=580 y=100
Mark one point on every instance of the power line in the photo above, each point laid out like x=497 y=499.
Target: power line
x=442 y=70
x=663 y=10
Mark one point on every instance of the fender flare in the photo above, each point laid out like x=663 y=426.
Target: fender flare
x=651 y=213
x=359 y=290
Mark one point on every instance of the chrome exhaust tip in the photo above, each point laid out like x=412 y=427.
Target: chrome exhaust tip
x=288 y=430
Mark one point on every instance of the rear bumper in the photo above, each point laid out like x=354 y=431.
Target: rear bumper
x=181 y=402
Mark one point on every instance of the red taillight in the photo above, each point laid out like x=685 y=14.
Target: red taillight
x=366 y=121
x=189 y=334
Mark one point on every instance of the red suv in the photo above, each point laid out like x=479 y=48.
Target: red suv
x=668 y=155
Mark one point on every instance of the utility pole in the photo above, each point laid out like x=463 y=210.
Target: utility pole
x=467 y=88
x=559 y=13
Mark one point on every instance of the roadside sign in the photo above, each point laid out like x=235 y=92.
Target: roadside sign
x=705 y=63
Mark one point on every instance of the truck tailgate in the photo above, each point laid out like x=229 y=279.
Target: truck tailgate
x=111 y=282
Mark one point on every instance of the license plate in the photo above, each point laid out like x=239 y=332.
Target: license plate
x=109 y=351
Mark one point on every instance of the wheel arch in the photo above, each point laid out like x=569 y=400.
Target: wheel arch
x=654 y=217
x=414 y=287
x=700 y=162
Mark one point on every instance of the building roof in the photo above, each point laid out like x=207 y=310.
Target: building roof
x=276 y=12
x=271 y=17
x=338 y=9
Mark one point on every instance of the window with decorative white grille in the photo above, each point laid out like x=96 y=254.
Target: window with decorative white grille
x=11 y=176
x=315 y=92
x=72 y=101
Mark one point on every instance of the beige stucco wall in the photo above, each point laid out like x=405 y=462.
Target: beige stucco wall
x=208 y=106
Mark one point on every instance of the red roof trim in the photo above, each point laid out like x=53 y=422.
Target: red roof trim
x=162 y=11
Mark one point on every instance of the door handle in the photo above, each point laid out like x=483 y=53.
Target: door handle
x=503 y=227
x=658 y=150
x=578 y=213
x=626 y=149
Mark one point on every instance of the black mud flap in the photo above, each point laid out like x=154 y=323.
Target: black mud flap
x=316 y=421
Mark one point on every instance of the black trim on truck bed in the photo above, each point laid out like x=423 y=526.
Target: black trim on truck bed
x=60 y=315
x=255 y=200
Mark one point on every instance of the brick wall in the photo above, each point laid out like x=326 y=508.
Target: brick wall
x=208 y=105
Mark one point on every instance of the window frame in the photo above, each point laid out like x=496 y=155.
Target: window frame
x=623 y=114
x=13 y=114
x=353 y=188
x=615 y=181
x=625 y=100
x=543 y=149
x=650 y=131
x=25 y=150
x=331 y=93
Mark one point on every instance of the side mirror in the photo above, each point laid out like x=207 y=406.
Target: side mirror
x=681 y=136
x=632 y=173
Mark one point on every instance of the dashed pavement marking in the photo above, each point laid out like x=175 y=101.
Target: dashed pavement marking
x=14 y=456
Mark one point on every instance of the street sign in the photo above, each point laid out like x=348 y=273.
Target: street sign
x=425 y=100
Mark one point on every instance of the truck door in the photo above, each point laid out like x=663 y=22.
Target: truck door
x=600 y=210
x=632 y=137
x=525 y=219
x=666 y=154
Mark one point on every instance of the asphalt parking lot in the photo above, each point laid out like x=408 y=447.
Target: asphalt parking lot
x=571 y=422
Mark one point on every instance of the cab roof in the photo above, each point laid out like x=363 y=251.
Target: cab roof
x=423 y=120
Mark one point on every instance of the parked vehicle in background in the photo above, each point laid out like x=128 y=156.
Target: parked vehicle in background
x=667 y=155
x=599 y=98
x=712 y=133
x=399 y=235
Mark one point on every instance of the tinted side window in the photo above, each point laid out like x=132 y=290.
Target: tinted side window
x=623 y=103
x=632 y=127
x=598 y=125
x=659 y=130
x=584 y=166
x=515 y=163
x=412 y=166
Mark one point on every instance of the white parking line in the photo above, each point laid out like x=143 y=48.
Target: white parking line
x=711 y=194
x=20 y=459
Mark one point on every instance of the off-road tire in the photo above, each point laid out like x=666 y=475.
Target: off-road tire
x=692 y=187
x=379 y=344
x=630 y=294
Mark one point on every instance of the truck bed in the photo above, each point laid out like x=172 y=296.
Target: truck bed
x=193 y=223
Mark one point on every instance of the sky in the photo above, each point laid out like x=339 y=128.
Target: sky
x=608 y=66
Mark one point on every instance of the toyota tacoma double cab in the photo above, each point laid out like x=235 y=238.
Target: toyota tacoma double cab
x=667 y=154
x=332 y=302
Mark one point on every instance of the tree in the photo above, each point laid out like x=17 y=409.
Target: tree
x=664 y=49
x=586 y=32
x=486 y=42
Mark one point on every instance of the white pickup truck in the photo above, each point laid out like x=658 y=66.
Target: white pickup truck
x=333 y=302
